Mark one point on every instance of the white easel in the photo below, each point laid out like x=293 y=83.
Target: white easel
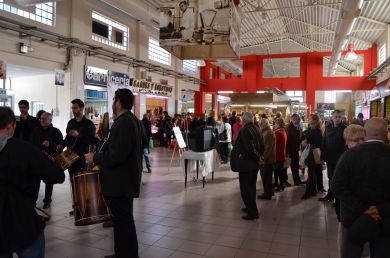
x=180 y=145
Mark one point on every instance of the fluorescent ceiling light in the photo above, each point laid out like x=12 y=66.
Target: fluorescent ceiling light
x=260 y=91
x=156 y=97
x=351 y=56
x=226 y=92
x=343 y=91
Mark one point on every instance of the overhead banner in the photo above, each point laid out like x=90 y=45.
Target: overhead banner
x=199 y=29
x=59 y=78
x=146 y=87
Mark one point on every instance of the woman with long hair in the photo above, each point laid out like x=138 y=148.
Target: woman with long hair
x=313 y=138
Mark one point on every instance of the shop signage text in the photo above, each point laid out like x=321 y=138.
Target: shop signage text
x=152 y=88
x=100 y=77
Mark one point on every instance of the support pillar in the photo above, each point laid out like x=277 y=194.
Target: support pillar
x=200 y=103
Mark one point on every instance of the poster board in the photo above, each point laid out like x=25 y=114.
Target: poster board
x=179 y=137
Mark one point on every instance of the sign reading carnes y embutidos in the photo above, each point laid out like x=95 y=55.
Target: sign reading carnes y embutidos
x=142 y=86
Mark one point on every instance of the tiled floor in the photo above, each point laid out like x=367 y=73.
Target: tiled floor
x=187 y=223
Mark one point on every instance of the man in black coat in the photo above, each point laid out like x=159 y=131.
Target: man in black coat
x=233 y=120
x=21 y=166
x=80 y=134
x=361 y=183
x=246 y=157
x=294 y=139
x=47 y=138
x=333 y=146
x=121 y=163
x=26 y=124
x=148 y=130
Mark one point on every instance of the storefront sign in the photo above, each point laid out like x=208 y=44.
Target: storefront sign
x=152 y=88
x=325 y=106
x=101 y=77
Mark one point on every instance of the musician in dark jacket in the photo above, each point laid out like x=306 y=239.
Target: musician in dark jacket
x=248 y=149
x=47 y=138
x=294 y=139
x=333 y=146
x=26 y=124
x=361 y=183
x=80 y=134
x=121 y=163
x=21 y=166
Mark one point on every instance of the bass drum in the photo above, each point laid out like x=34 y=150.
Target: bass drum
x=90 y=206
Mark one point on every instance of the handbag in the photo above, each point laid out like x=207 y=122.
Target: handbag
x=287 y=162
x=317 y=156
x=151 y=144
x=223 y=136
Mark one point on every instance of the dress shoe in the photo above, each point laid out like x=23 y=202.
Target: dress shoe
x=264 y=197
x=244 y=210
x=71 y=213
x=247 y=217
x=46 y=206
x=108 y=224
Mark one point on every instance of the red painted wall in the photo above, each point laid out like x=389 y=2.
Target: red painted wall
x=310 y=80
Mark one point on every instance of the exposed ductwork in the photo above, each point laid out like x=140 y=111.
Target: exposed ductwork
x=349 y=12
x=230 y=66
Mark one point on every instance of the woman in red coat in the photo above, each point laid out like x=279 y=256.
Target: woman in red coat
x=281 y=141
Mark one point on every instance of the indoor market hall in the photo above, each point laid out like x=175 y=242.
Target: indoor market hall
x=194 y=128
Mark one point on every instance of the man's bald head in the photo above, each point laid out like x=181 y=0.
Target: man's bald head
x=376 y=129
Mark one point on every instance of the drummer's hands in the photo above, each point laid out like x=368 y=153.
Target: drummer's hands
x=46 y=143
x=74 y=133
x=88 y=158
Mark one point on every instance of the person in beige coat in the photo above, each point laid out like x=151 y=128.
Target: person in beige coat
x=269 y=159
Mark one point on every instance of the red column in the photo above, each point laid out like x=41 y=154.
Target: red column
x=250 y=72
x=313 y=75
x=200 y=103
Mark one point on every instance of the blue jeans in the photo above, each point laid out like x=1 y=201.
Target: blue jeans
x=147 y=159
x=35 y=250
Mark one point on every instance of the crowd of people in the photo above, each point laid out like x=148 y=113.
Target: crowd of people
x=355 y=157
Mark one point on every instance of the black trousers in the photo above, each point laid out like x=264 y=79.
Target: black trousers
x=266 y=178
x=48 y=193
x=295 y=168
x=330 y=168
x=223 y=151
x=312 y=184
x=125 y=235
x=248 y=191
x=320 y=180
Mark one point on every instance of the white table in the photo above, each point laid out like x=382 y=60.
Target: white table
x=207 y=161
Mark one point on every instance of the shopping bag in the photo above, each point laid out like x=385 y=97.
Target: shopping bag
x=230 y=148
x=151 y=144
x=304 y=155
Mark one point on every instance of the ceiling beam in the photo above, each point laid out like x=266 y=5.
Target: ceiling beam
x=293 y=7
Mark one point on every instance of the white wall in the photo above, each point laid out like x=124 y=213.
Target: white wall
x=73 y=19
x=41 y=88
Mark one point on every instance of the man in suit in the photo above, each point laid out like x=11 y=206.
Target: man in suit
x=361 y=183
x=121 y=163
x=294 y=138
x=333 y=146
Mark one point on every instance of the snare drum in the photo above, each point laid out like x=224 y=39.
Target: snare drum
x=66 y=158
x=90 y=206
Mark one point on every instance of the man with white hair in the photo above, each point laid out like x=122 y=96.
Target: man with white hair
x=246 y=158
